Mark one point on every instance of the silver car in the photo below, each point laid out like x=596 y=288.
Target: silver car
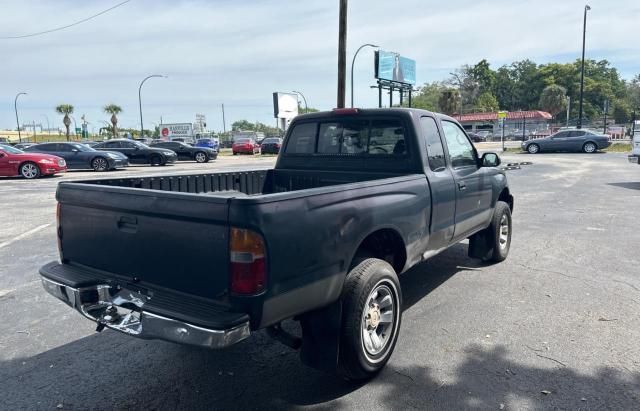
x=586 y=141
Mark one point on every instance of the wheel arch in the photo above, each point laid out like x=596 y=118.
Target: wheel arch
x=382 y=243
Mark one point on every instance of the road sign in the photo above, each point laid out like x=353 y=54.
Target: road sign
x=78 y=130
x=502 y=114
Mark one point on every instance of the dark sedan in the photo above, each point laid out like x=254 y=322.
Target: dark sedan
x=24 y=146
x=187 y=152
x=139 y=153
x=568 y=140
x=271 y=145
x=81 y=156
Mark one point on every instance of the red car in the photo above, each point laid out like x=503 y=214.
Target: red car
x=14 y=162
x=245 y=146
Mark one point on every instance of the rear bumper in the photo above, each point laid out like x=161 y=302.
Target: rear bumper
x=137 y=314
x=634 y=158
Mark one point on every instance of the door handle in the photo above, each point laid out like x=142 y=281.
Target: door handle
x=462 y=186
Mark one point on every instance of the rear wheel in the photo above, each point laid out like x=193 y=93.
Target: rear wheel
x=200 y=157
x=589 y=148
x=100 y=164
x=371 y=304
x=533 y=148
x=30 y=170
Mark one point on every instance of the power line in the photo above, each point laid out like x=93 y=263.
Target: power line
x=64 y=27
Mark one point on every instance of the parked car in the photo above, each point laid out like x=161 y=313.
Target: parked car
x=568 y=140
x=139 y=153
x=271 y=145
x=476 y=138
x=211 y=143
x=634 y=157
x=321 y=238
x=81 y=156
x=484 y=134
x=15 y=162
x=187 y=152
x=245 y=146
x=24 y=146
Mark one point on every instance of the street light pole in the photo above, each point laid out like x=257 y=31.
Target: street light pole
x=48 y=125
x=306 y=108
x=568 y=109
x=584 y=34
x=140 y=100
x=15 y=106
x=353 y=61
x=342 y=53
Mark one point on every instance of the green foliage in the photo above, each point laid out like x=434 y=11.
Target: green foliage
x=449 y=101
x=112 y=109
x=64 y=109
x=427 y=96
x=244 y=125
x=621 y=112
x=486 y=102
x=553 y=99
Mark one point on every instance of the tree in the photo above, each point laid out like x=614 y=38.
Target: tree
x=242 y=125
x=65 y=109
x=621 y=112
x=483 y=76
x=449 y=101
x=427 y=96
x=553 y=99
x=114 y=110
x=486 y=102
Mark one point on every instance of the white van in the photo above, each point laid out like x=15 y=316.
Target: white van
x=634 y=157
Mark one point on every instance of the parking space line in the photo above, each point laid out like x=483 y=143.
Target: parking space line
x=24 y=235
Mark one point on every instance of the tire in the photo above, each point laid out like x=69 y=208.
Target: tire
x=533 y=148
x=201 y=157
x=100 y=164
x=30 y=170
x=500 y=242
x=589 y=147
x=235 y=154
x=371 y=283
x=155 y=160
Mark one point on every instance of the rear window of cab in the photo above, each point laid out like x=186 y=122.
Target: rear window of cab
x=348 y=137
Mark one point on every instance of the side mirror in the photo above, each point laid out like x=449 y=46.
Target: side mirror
x=490 y=160
x=75 y=150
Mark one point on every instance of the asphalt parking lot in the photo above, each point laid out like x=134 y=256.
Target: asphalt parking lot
x=556 y=326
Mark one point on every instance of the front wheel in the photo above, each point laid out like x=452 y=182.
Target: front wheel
x=499 y=233
x=371 y=315
x=201 y=157
x=155 y=160
x=589 y=148
x=533 y=148
x=29 y=170
x=99 y=164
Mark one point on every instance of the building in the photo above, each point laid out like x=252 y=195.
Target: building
x=527 y=123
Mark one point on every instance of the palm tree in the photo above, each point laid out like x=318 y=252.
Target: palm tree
x=65 y=109
x=113 y=109
x=449 y=101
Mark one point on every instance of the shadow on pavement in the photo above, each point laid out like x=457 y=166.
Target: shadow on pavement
x=113 y=371
x=629 y=185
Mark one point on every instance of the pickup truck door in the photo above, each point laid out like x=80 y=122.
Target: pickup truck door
x=472 y=184
x=442 y=186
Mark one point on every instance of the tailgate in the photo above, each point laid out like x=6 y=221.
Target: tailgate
x=153 y=238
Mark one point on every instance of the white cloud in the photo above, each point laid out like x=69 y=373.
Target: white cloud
x=238 y=52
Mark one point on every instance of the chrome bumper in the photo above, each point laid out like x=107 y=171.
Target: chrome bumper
x=634 y=159
x=123 y=310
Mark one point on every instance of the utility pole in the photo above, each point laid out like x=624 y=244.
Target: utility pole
x=224 y=123
x=568 y=109
x=606 y=109
x=584 y=34
x=342 y=54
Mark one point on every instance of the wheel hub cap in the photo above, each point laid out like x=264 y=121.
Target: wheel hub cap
x=378 y=320
x=504 y=231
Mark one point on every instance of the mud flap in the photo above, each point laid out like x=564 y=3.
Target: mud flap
x=481 y=244
x=321 y=337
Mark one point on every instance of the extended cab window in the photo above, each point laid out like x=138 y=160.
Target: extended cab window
x=460 y=149
x=302 y=139
x=435 y=150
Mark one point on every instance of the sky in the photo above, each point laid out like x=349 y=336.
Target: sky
x=238 y=52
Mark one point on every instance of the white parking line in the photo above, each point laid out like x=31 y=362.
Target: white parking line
x=23 y=235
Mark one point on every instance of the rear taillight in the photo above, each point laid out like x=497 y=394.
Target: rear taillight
x=59 y=229
x=248 y=266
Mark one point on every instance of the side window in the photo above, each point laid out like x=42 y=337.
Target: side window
x=576 y=133
x=562 y=134
x=302 y=139
x=126 y=144
x=64 y=147
x=112 y=144
x=460 y=149
x=387 y=137
x=435 y=151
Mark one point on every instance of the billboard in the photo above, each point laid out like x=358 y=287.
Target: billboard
x=393 y=67
x=176 y=130
x=285 y=105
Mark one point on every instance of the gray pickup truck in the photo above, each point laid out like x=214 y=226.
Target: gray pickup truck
x=356 y=198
